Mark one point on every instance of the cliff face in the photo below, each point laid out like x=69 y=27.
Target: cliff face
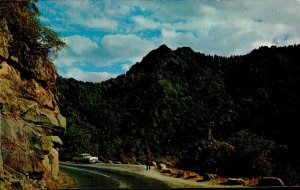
x=30 y=119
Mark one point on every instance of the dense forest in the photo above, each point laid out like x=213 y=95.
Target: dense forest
x=233 y=116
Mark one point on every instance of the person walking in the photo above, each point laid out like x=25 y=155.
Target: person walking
x=149 y=160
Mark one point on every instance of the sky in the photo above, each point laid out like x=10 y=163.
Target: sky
x=106 y=37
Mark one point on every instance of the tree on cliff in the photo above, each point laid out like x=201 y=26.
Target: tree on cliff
x=29 y=114
x=22 y=17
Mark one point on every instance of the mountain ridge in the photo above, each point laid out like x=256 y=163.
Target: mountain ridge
x=190 y=109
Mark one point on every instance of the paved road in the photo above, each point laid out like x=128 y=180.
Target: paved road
x=93 y=176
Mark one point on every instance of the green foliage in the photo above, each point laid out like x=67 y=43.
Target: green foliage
x=29 y=36
x=252 y=154
x=208 y=155
x=233 y=116
x=49 y=41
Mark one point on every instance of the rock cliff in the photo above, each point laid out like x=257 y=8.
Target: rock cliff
x=30 y=120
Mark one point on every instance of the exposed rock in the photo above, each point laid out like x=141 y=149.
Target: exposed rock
x=5 y=38
x=188 y=175
x=46 y=163
x=2 y=185
x=13 y=172
x=167 y=171
x=49 y=141
x=162 y=166
x=208 y=177
x=1 y=164
x=19 y=184
x=55 y=139
x=234 y=181
x=192 y=175
x=127 y=159
x=154 y=164
x=54 y=162
x=29 y=115
x=47 y=146
x=179 y=174
x=15 y=59
x=270 y=181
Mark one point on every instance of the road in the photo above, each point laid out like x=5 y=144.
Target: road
x=103 y=177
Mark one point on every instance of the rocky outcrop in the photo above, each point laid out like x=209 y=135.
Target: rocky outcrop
x=270 y=181
x=30 y=118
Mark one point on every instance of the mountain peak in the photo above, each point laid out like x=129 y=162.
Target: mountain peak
x=151 y=59
x=185 y=49
x=161 y=50
x=163 y=47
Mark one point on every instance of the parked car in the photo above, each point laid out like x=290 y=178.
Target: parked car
x=85 y=158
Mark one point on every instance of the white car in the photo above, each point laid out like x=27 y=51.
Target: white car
x=85 y=158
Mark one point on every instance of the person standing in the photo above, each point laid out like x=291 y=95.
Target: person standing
x=149 y=160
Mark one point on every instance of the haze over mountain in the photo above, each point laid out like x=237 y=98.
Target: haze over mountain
x=234 y=116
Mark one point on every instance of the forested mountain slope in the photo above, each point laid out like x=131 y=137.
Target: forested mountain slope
x=235 y=116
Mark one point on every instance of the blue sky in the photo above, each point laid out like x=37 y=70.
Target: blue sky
x=106 y=37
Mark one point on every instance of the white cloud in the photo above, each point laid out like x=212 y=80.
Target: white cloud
x=89 y=14
x=142 y=23
x=257 y=44
x=80 y=44
x=207 y=10
x=126 y=67
x=119 y=32
x=64 y=60
x=117 y=8
x=127 y=46
x=79 y=74
x=100 y=23
x=81 y=51
x=44 y=19
x=169 y=12
x=175 y=39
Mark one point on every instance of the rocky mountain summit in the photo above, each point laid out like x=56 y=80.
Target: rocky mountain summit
x=30 y=119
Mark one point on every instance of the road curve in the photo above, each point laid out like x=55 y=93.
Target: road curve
x=95 y=177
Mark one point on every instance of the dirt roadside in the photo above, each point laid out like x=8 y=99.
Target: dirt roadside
x=172 y=182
